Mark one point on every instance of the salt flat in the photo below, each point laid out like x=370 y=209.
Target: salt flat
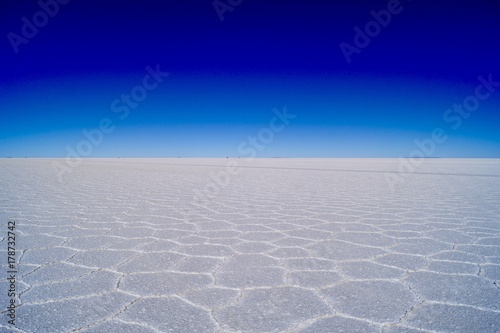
x=286 y=245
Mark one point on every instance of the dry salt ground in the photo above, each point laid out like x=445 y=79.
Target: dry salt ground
x=289 y=245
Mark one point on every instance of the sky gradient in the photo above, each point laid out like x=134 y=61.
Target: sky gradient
x=226 y=77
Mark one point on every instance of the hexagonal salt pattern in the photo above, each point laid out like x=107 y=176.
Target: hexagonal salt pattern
x=290 y=245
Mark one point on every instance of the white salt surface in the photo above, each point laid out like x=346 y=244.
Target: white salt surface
x=289 y=245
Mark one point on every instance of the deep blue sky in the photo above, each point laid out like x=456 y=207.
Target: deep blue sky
x=225 y=78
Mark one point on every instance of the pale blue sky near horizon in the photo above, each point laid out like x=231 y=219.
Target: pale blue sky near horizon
x=225 y=79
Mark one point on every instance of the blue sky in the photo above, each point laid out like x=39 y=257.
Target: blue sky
x=226 y=77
